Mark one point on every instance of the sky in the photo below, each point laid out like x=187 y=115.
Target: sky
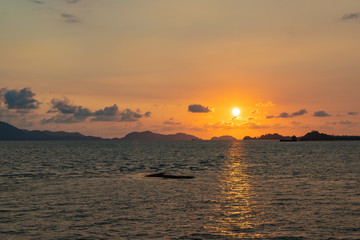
x=110 y=67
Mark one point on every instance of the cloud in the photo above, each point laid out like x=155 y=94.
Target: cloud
x=299 y=113
x=321 y=114
x=72 y=1
x=112 y=113
x=284 y=115
x=67 y=112
x=66 y=17
x=197 y=108
x=65 y=107
x=288 y=115
x=346 y=122
x=171 y=121
x=21 y=100
x=294 y=114
x=352 y=113
x=69 y=18
x=38 y=2
x=351 y=16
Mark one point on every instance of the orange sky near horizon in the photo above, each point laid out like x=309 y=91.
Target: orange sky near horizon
x=181 y=66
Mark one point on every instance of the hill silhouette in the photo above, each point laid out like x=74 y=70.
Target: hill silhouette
x=223 y=138
x=150 y=136
x=11 y=133
x=316 y=136
x=311 y=136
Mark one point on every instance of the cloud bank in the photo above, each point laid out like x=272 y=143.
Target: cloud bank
x=288 y=115
x=113 y=114
x=351 y=16
x=197 y=108
x=70 y=113
x=321 y=114
x=21 y=100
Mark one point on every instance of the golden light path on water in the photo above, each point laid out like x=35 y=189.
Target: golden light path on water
x=236 y=213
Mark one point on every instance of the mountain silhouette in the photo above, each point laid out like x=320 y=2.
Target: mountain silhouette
x=150 y=136
x=11 y=133
x=223 y=138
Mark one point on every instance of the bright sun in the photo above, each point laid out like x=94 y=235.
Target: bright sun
x=236 y=112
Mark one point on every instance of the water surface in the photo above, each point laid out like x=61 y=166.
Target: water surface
x=241 y=190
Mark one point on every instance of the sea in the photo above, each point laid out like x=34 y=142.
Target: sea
x=240 y=190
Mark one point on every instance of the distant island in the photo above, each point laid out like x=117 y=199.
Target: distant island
x=311 y=136
x=268 y=136
x=11 y=133
x=223 y=138
x=150 y=136
x=316 y=136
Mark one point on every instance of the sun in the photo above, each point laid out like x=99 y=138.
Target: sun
x=236 y=112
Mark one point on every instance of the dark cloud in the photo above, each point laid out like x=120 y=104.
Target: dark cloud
x=171 y=121
x=321 y=114
x=197 y=108
x=67 y=112
x=38 y=2
x=284 y=115
x=299 y=113
x=346 y=122
x=294 y=114
x=21 y=100
x=352 y=113
x=65 y=107
x=269 y=117
x=351 y=16
x=63 y=119
x=113 y=114
x=69 y=18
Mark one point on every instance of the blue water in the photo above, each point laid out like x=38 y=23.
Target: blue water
x=241 y=190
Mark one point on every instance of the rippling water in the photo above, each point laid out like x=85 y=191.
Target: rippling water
x=241 y=190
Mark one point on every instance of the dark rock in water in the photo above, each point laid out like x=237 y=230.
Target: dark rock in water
x=163 y=175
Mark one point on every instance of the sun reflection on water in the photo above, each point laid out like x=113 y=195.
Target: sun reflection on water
x=236 y=210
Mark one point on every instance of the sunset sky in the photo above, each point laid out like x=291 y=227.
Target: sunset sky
x=110 y=67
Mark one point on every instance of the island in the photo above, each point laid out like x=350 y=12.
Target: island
x=311 y=136
x=316 y=136
x=223 y=138
x=150 y=136
x=11 y=133
x=269 y=136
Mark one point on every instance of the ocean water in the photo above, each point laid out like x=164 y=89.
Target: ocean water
x=241 y=190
